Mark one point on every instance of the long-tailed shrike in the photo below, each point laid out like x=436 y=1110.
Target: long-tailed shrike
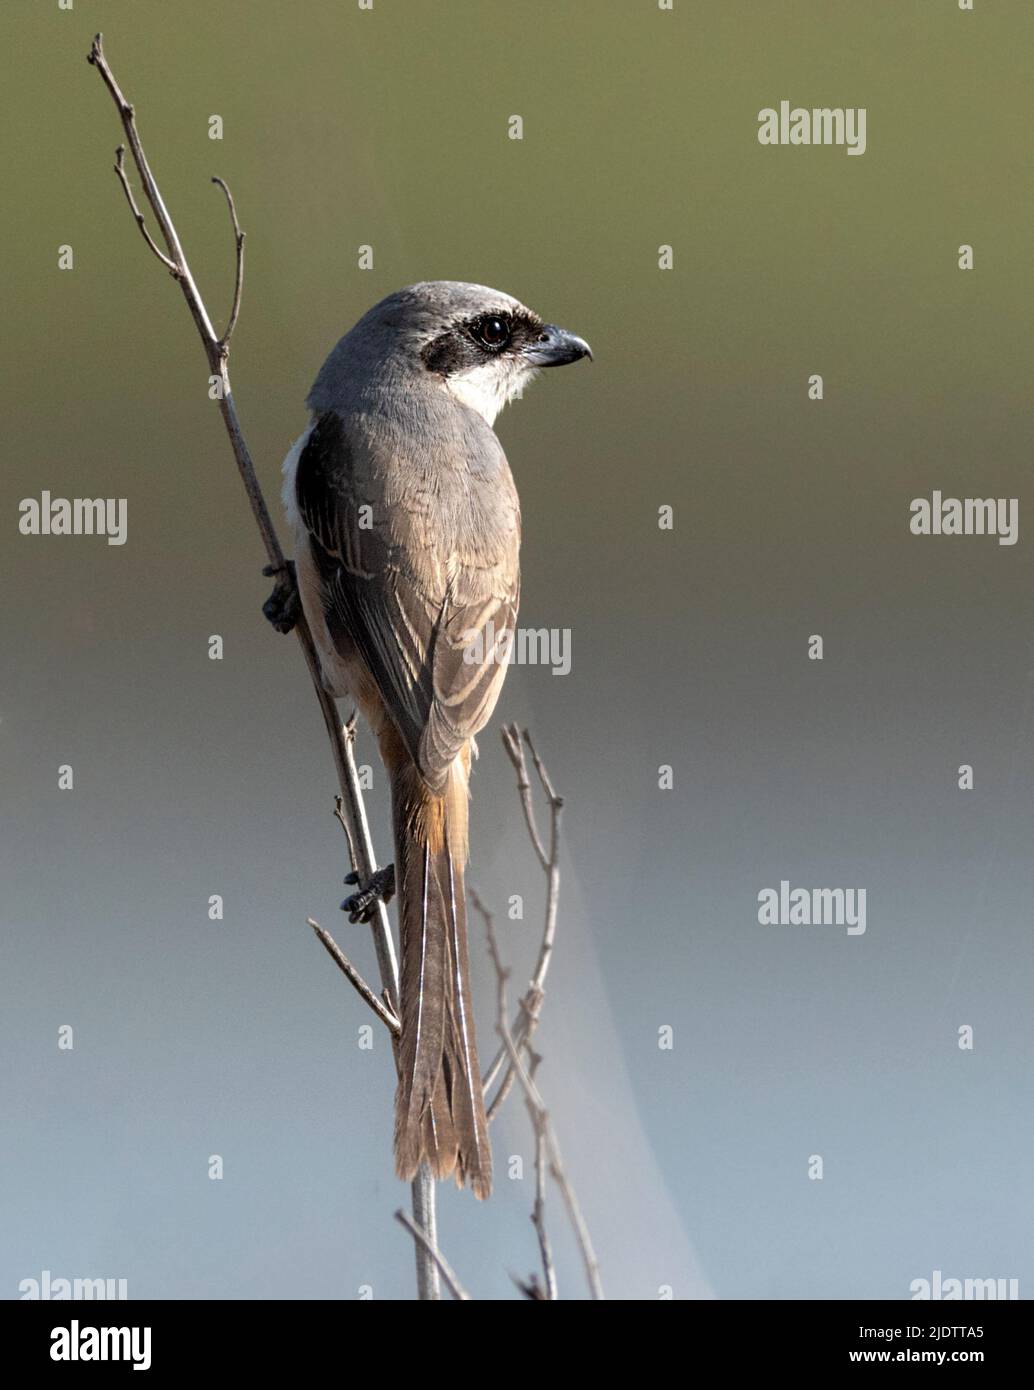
x=407 y=526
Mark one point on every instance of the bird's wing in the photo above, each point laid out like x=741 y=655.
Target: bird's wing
x=420 y=571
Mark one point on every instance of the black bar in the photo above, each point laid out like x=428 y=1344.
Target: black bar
x=230 y=1338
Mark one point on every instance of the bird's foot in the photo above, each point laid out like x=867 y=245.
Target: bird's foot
x=283 y=607
x=381 y=889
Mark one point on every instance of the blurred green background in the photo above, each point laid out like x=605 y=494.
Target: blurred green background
x=388 y=127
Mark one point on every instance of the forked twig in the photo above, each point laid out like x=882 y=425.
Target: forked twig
x=352 y=975
x=538 y=1211
x=141 y=222
x=427 y=1244
x=530 y=1004
x=217 y=351
x=238 y=284
x=544 y=1133
x=516 y=1037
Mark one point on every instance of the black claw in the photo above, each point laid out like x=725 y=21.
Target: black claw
x=381 y=888
x=283 y=607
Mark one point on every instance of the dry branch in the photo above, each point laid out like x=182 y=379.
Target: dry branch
x=354 y=978
x=425 y=1243
x=516 y=1037
x=538 y=1211
x=544 y=1135
x=530 y=1004
x=217 y=351
x=238 y=284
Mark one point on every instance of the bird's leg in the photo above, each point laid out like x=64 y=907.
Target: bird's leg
x=283 y=606
x=381 y=888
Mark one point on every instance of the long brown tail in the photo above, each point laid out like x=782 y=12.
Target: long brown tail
x=439 y=1109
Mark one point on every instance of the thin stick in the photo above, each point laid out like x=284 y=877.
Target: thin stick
x=512 y=744
x=522 y=1037
x=352 y=975
x=238 y=287
x=521 y=1031
x=543 y=1125
x=120 y=169
x=217 y=351
x=361 y=844
x=339 y=815
x=538 y=1211
x=531 y=1004
x=426 y=1243
x=556 y=806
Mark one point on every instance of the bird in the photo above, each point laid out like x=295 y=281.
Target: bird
x=407 y=531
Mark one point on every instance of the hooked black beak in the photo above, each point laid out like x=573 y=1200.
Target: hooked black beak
x=556 y=347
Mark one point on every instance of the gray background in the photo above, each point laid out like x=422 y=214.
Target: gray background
x=195 y=777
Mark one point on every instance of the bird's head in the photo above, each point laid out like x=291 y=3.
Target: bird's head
x=480 y=345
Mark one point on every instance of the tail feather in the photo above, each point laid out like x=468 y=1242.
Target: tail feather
x=466 y=1096
x=439 y=1109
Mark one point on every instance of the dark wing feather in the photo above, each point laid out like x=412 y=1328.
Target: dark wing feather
x=423 y=591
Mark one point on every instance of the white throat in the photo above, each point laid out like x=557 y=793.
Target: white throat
x=489 y=387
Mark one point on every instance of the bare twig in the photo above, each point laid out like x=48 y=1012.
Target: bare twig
x=521 y=1030
x=238 y=286
x=544 y=1128
x=512 y=744
x=120 y=169
x=427 y=1244
x=352 y=975
x=217 y=351
x=339 y=814
x=154 y=197
x=538 y=1211
x=552 y=864
x=531 y=1004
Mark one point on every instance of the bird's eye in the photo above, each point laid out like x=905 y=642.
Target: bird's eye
x=492 y=331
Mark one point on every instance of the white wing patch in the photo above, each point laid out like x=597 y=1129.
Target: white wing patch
x=290 y=471
x=334 y=669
